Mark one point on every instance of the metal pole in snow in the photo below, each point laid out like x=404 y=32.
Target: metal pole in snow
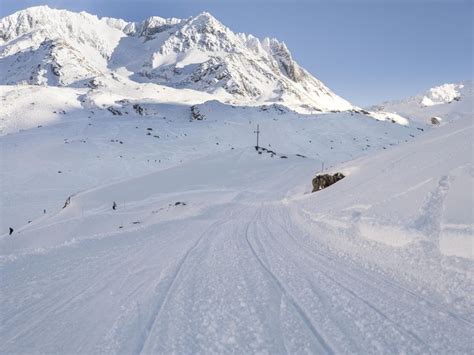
x=258 y=133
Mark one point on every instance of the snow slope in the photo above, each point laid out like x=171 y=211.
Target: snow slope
x=24 y=106
x=41 y=166
x=197 y=53
x=446 y=102
x=231 y=253
x=421 y=195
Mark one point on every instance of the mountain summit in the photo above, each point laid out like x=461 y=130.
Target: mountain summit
x=44 y=46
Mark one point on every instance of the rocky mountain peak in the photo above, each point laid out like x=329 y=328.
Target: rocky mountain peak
x=198 y=53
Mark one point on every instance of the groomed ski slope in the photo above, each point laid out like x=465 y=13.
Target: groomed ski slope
x=251 y=262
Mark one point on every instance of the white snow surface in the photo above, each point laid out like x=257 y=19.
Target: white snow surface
x=77 y=148
x=446 y=102
x=215 y=246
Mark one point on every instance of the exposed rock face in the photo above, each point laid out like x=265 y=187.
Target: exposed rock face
x=324 y=180
x=435 y=120
x=196 y=114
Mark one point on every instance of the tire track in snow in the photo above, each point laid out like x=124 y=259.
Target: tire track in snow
x=171 y=284
x=323 y=343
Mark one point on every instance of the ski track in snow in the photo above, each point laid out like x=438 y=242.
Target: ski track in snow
x=250 y=274
x=323 y=343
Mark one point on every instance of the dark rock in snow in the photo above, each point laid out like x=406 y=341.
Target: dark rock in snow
x=325 y=180
x=114 y=111
x=138 y=109
x=67 y=202
x=196 y=114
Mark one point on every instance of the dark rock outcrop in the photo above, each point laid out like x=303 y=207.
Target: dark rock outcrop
x=139 y=109
x=196 y=114
x=67 y=202
x=114 y=111
x=324 y=180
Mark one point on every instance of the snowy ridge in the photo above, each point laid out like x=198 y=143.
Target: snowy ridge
x=31 y=27
x=112 y=65
x=198 y=53
x=446 y=102
x=443 y=94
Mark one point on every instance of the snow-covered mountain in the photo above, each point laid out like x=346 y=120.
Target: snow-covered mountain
x=44 y=46
x=137 y=215
x=445 y=103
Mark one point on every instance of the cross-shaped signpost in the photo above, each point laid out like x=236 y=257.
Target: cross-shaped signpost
x=258 y=133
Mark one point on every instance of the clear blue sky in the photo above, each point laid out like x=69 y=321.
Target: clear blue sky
x=365 y=50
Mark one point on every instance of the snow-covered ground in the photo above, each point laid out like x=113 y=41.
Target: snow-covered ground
x=44 y=165
x=145 y=221
x=230 y=253
x=72 y=152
